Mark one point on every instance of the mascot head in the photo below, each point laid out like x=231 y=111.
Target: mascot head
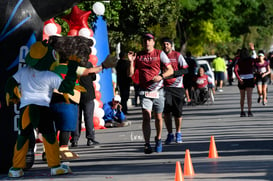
x=45 y=55
x=72 y=45
x=42 y=56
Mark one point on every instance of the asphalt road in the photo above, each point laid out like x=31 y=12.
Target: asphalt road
x=244 y=146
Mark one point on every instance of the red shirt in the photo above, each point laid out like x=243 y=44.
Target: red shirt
x=177 y=62
x=262 y=68
x=150 y=65
x=202 y=81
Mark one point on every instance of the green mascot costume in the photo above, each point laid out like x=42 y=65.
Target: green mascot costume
x=33 y=86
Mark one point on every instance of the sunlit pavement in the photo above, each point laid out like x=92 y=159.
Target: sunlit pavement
x=244 y=147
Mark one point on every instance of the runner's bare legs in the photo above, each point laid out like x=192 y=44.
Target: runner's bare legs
x=146 y=125
x=158 y=124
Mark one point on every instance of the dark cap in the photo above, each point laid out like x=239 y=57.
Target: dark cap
x=167 y=40
x=148 y=36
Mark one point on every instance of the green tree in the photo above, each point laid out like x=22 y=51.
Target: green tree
x=201 y=26
x=231 y=19
x=137 y=17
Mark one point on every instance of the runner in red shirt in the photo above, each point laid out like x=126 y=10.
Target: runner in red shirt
x=150 y=63
x=174 y=92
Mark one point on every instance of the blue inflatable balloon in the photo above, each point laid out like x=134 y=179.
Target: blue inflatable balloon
x=102 y=45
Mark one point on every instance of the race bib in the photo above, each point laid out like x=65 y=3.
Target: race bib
x=263 y=70
x=152 y=94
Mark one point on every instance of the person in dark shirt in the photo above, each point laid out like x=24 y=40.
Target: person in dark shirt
x=187 y=80
x=270 y=59
x=123 y=81
x=86 y=106
x=243 y=70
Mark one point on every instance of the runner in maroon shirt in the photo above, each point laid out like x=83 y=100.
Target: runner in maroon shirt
x=262 y=76
x=151 y=62
x=243 y=70
x=174 y=92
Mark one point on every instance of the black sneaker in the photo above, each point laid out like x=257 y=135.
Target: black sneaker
x=250 y=114
x=92 y=142
x=148 y=149
x=259 y=99
x=74 y=144
x=95 y=142
x=243 y=114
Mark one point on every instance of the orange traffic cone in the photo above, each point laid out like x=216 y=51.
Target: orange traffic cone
x=188 y=168
x=178 y=172
x=212 y=148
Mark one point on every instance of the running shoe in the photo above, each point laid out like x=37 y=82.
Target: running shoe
x=170 y=138
x=74 y=144
x=250 y=114
x=61 y=170
x=148 y=149
x=158 y=145
x=259 y=99
x=178 y=137
x=15 y=172
x=243 y=114
x=264 y=102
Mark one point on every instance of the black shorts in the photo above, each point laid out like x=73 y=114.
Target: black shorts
x=174 y=99
x=248 y=83
x=219 y=76
x=262 y=80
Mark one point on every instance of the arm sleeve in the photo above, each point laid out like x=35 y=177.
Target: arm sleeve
x=108 y=112
x=17 y=76
x=164 y=58
x=182 y=62
x=179 y=73
x=121 y=116
x=80 y=70
x=68 y=84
